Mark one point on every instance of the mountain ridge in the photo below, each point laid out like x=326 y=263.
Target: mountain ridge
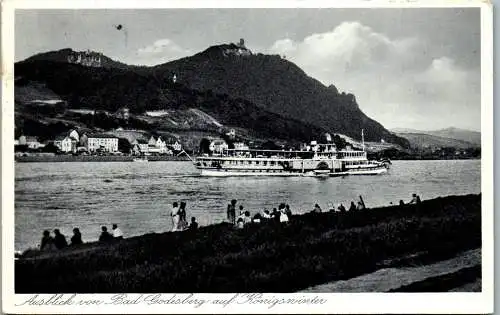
x=465 y=135
x=268 y=81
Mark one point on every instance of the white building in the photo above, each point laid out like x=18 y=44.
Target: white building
x=64 y=143
x=218 y=145
x=74 y=134
x=158 y=146
x=241 y=146
x=140 y=146
x=104 y=142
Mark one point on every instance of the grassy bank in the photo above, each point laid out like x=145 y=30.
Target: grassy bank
x=271 y=257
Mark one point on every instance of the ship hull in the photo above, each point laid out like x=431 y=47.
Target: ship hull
x=229 y=172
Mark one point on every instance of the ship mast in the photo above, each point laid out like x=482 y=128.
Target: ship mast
x=363 y=139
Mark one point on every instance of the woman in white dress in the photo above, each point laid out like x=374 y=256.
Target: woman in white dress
x=175 y=216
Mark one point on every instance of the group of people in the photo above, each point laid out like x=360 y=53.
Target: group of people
x=353 y=207
x=59 y=240
x=282 y=214
x=106 y=237
x=179 y=221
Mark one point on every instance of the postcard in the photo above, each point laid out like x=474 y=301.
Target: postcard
x=247 y=157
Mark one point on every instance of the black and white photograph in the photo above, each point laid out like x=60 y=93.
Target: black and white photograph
x=162 y=154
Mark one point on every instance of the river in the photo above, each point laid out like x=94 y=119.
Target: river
x=138 y=196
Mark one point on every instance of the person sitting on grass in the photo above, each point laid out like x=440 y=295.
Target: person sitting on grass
x=341 y=208
x=76 y=239
x=414 y=200
x=47 y=242
x=240 y=224
x=257 y=218
x=105 y=236
x=59 y=240
x=266 y=215
x=317 y=209
x=352 y=207
x=247 y=218
x=361 y=206
x=194 y=224
x=241 y=211
x=401 y=202
x=275 y=213
x=117 y=233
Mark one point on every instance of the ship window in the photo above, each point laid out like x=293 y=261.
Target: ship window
x=273 y=162
x=249 y=162
x=257 y=162
x=264 y=163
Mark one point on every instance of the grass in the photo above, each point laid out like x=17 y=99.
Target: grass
x=271 y=257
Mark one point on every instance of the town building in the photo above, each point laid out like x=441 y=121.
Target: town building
x=241 y=146
x=218 y=146
x=30 y=141
x=140 y=146
x=65 y=143
x=158 y=146
x=103 y=142
x=176 y=146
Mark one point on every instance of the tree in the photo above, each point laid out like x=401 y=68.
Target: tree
x=124 y=145
x=205 y=145
x=50 y=148
x=340 y=142
x=270 y=145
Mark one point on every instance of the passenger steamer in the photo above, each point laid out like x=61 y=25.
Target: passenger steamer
x=317 y=160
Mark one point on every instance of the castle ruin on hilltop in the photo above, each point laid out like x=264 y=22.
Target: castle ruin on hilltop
x=86 y=58
x=239 y=50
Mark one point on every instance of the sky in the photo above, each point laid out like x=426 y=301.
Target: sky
x=415 y=68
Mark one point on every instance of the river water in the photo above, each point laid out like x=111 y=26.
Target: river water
x=137 y=196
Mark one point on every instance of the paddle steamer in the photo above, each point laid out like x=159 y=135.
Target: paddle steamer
x=318 y=159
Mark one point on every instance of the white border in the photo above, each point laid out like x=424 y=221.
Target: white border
x=459 y=303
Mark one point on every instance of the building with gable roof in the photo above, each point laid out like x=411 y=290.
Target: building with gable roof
x=103 y=142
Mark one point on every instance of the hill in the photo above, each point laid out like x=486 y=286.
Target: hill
x=80 y=57
x=265 y=94
x=453 y=137
x=109 y=89
x=473 y=137
x=421 y=141
x=277 y=85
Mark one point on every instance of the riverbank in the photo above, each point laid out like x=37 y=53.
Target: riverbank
x=93 y=158
x=269 y=257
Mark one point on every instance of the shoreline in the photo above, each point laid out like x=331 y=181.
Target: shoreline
x=118 y=158
x=93 y=158
x=268 y=257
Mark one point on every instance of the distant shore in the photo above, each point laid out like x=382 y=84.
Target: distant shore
x=94 y=158
x=311 y=249
x=121 y=158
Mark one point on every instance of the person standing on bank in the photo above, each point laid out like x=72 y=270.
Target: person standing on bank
x=175 y=216
x=182 y=217
x=231 y=212
x=117 y=233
